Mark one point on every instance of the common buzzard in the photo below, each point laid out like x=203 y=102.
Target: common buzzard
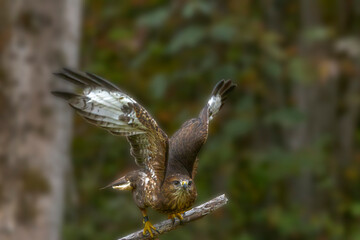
x=168 y=166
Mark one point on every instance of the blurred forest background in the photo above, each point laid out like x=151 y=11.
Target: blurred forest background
x=285 y=147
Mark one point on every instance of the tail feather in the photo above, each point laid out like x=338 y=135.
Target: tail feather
x=120 y=184
x=218 y=96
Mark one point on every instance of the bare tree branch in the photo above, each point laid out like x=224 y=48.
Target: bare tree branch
x=189 y=216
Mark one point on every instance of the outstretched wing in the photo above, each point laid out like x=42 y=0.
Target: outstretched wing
x=103 y=104
x=188 y=140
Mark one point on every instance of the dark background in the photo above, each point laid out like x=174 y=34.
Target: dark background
x=279 y=149
x=285 y=147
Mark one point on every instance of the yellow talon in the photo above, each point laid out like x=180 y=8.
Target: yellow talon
x=174 y=215
x=148 y=228
x=178 y=215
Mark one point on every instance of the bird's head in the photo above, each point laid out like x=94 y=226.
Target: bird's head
x=180 y=185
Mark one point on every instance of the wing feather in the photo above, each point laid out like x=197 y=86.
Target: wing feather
x=103 y=104
x=218 y=97
x=186 y=143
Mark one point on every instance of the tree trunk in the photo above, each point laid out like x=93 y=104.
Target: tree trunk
x=314 y=100
x=330 y=110
x=36 y=38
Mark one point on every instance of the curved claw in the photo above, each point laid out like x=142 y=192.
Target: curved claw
x=172 y=217
x=148 y=228
x=176 y=215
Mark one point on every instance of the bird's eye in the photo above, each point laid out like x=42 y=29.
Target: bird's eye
x=190 y=182
x=176 y=182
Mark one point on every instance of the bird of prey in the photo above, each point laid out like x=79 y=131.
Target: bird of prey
x=165 y=180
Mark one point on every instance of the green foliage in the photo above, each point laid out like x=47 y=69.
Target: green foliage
x=188 y=37
x=277 y=158
x=286 y=117
x=154 y=19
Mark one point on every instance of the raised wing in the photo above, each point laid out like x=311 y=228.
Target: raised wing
x=103 y=104
x=186 y=143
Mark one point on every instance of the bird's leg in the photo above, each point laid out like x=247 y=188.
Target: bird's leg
x=179 y=215
x=148 y=226
x=174 y=215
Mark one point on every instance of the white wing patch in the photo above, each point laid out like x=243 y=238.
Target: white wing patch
x=110 y=110
x=108 y=98
x=214 y=105
x=122 y=187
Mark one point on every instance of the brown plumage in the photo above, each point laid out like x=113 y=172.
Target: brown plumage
x=168 y=166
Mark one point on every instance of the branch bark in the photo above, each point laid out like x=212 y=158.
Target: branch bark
x=189 y=216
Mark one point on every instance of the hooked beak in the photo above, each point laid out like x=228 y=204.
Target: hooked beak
x=185 y=184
